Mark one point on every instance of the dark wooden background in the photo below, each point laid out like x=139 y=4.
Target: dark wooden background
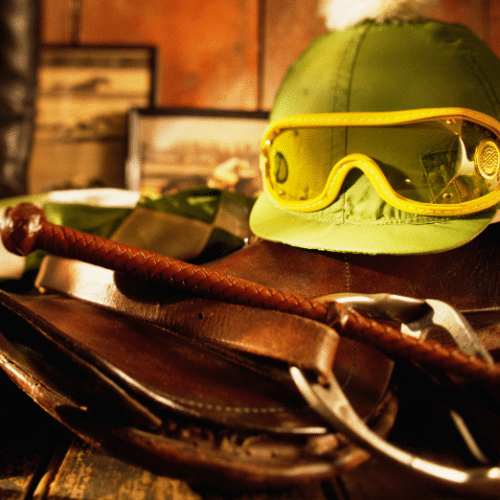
x=221 y=53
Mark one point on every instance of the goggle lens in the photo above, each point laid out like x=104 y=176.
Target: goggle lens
x=437 y=161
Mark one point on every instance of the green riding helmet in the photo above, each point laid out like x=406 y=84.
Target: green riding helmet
x=379 y=68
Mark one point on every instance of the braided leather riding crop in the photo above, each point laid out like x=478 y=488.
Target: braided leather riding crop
x=25 y=229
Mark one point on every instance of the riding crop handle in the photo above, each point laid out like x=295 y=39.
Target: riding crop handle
x=25 y=228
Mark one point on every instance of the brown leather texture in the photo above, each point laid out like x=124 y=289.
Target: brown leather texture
x=167 y=402
x=466 y=277
x=270 y=334
x=25 y=228
x=149 y=381
x=155 y=380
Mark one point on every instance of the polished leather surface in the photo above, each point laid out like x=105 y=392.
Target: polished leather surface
x=466 y=277
x=26 y=228
x=176 y=373
x=18 y=56
x=169 y=369
x=165 y=376
x=269 y=336
x=169 y=403
x=134 y=358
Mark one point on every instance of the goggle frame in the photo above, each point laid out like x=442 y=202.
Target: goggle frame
x=368 y=166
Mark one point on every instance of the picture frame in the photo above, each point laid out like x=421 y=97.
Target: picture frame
x=82 y=104
x=177 y=148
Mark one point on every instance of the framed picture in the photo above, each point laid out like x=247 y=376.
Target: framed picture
x=173 y=149
x=84 y=96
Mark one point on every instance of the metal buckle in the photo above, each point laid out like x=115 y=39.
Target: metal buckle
x=417 y=317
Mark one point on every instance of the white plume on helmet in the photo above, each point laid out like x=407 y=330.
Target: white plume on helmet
x=340 y=14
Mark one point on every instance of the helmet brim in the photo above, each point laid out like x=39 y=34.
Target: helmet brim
x=423 y=236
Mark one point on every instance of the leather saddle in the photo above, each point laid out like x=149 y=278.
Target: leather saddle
x=170 y=379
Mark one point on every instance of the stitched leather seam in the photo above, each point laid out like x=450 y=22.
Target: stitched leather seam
x=227 y=409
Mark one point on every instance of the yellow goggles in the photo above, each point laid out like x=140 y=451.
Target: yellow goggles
x=440 y=161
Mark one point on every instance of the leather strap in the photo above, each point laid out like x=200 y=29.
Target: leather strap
x=26 y=228
x=221 y=422
x=283 y=337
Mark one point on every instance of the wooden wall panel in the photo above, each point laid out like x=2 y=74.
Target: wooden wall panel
x=289 y=27
x=471 y=13
x=222 y=53
x=494 y=26
x=57 y=21
x=208 y=49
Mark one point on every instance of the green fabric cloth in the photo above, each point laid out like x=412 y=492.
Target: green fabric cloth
x=193 y=225
x=197 y=225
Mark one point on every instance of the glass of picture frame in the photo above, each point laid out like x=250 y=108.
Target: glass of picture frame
x=172 y=149
x=82 y=103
